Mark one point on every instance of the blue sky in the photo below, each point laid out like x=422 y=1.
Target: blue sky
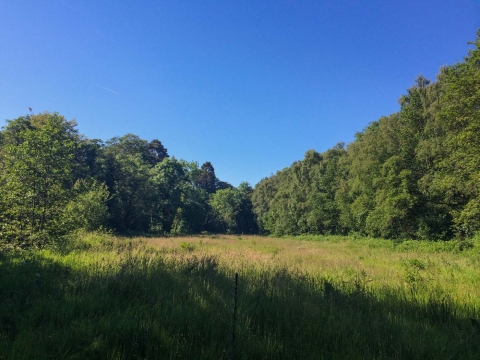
x=247 y=85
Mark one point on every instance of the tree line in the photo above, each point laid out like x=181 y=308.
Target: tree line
x=414 y=174
x=55 y=181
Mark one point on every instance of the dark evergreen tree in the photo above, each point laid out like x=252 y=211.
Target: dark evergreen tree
x=206 y=179
x=157 y=151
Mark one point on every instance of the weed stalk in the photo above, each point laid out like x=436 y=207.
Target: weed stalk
x=234 y=316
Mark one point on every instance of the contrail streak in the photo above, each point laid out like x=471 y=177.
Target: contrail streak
x=104 y=88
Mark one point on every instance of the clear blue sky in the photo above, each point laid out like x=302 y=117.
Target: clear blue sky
x=247 y=85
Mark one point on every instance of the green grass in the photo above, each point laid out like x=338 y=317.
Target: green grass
x=172 y=298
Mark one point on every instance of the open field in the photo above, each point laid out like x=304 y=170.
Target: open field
x=330 y=297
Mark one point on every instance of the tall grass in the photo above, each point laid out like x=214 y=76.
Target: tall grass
x=112 y=298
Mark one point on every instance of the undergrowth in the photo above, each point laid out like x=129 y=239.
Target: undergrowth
x=109 y=298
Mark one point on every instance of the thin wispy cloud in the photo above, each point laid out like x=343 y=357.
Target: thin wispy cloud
x=104 y=88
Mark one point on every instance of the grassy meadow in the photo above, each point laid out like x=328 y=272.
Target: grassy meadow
x=107 y=297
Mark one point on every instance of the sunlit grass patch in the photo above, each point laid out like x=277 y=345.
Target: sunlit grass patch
x=173 y=298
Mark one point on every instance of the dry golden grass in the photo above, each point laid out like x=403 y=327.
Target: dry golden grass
x=343 y=260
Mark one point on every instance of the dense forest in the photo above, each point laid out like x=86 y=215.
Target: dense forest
x=413 y=174
x=55 y=181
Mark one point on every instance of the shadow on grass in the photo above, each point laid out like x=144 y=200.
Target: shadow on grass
x=145 y=305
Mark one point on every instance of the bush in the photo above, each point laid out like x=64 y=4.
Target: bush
x=88 y=210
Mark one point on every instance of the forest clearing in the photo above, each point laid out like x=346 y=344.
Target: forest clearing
x=301 y=298
x=181 y=220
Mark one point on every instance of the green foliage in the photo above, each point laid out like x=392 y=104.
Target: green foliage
x=460 y=115
x=233 y=209
x=262 y=196
x=226 y=204
x=189 y=247
x=246 y=223
x=132 y=188
x=88 y=209
x=130 y=144
x=412 y=175
x=301 y=199
x=35 y=178
x=168 y=184
x=206 y=178
x=54 y=181
x=394 y=201
x=179 y=207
